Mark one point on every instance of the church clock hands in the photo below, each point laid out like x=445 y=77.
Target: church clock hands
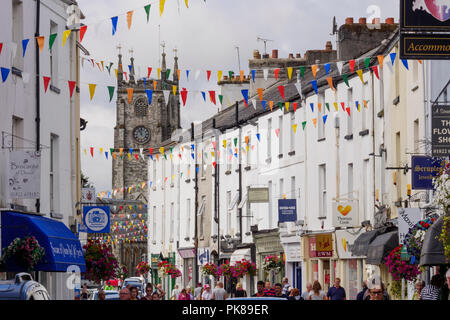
x=141 y=134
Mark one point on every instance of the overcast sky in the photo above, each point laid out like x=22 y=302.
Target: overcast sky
x=205 y=35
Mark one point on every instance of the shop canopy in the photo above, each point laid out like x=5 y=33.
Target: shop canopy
x=381 y=247
x=361 y=244
x=240 y=254
x=432 y=253
x=62 y=248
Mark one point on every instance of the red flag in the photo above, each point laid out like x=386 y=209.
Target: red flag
x=1 y=47
x=214 y=164
x=82 y=32
x=281 y=89
x=46 y=82
x=375 y=70
x=208 y=72
x=151 y=151
x=92 y=152
x=343 y=106
x=212 y=96
x=93 y=65
x=295 y=106
x=149 y=72
x=348 y=111
x=184 y=96
x=136 y=156
x=352 y=65
x=276 y=71
x=71 y=87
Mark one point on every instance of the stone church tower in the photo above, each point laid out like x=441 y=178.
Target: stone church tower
x=140 y=125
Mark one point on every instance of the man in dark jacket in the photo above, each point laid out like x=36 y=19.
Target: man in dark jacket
x=360 y=295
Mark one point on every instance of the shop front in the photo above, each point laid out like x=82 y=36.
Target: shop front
x=267 y=243
x=293 y=260
x=187 y=256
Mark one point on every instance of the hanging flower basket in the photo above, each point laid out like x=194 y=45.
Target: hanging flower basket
x=226 y=270
x=245 y=267
x=168 y=269
x=101 y=264
x=143 y=268
x=272 y=263
x=26 y=252
x=210 y=269
x=399 y=268
x=414 y=238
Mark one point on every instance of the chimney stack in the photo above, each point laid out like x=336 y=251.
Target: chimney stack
x=329 y=46
x=266 y=56
x=291 y=56
x=256 y=54
x=349 y=21
x=390 y=21
x=298 y=56
x=376 y=21
x=275 y=54
x=362 y=21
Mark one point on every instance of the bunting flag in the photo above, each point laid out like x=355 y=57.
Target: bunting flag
x=330 y=83
x=276 y=72
x=325 y=118
x=345 y=78
x=281 y=89
x=393 y=56
x=367 y=62
x=147 y=11
x=263 y=103
x=343 y=106
x=315 y=122
x=319 y=105
x=280 y=105
x=405 y=63
x=71 y=87
x=328 y=106
x=149 y=72
x=254 y=103
x=66 y=35
x=348 y=111
x=241 y=75
x=235 y=141
x=260 y=93
x=314 y=70
x=327 y=68
x=212 y=97
x=360 y=74
x=92 y=152
x=286 y=105
x=92 y=90
x=5 y=73
x=294 y=127
x=1 y=47
x=365 y=103
x=111 y=92
x=340 y=65
x=245 y=95
x=168 y=73
x=24 y=46
x=219 y=75
x=253 y=75
x=375 y=70
x=380 y=60
x=258 y=136
x=130 y=94
x=277 y=132
x=129 y=19
x=265 y=74
x=161 y=7
x=221 y=99
x=312 y=107
x=271 y=105
x=290 y=70
x=298 y=85
x=187 y=74
x=295 y=106
x=302 y=71
x=335 y=106
x=174 y=90
x=187 y=5
x=208 y=74
x=46 y=82
x=114 y=24
x=304 y=125
x=314 y=85
x=166 y=96
x=178 y=74
x=197 y=74
x=204 y=96
x=184 y=96
x=352 y=65
x=83 y=30
x=40 y=41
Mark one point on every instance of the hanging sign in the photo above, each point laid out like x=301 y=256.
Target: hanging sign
x=88 y=195
x=324 y=245
x=203 y=255
x=345 y=213
x=407 y=218
x=97 y=219
x=287 y=210
x=258 y=195
x=425 y=15
x=440 y=138
x=24 y=175
x=424 y=170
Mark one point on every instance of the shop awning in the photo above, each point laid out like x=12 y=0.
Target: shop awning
x=432 y=253
x=62 y=248
x=361 y=244
x=186 y=253
x=381 y=247
x=240 y=254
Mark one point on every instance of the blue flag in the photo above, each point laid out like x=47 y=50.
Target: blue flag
x=204 y=96
x=5 y=73
x=24 y=46
x=114 y=24
x=312 y=107
x=325 y=118
x=193 y=147
x=192 y=155
x=245 y=95
x=149 y=95
x=264 y=104
x=357 y=105
x=253 y=75
x=129 y=67
x=258 y=136
x=393 y=55
x=327 y=67
x=106 y=155
x=131 y=151
x=187 y=74
x=314 y=85
x=405 y=63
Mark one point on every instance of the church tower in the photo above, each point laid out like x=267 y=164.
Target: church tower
x=140 y=125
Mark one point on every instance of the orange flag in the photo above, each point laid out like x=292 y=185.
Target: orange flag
x=154 y=85
x=242 y=75
x=40 y=42
x=129 y=19
x=178 y=73
x=320 y=107
x=260 y=93
x=330 y=83
x=271 y=105
x=130 y=94
x=315 y=122
x=380 y=61
x=314 y=70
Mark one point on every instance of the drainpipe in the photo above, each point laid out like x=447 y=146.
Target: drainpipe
x=373 y=142
x=216 y=193
x=38 y=101
x=240 y=173
x=196 y=208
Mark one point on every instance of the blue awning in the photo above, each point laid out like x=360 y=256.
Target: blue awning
x=62 y=248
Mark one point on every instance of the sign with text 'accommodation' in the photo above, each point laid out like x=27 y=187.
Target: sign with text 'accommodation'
x=345 y=214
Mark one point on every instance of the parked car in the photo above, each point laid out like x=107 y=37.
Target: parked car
x=23 y=287
x=109 y=295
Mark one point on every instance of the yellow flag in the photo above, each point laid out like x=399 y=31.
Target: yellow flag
x=159 y=72
x=224 y=143
x=247 y=147
x=315 y=122
x=130 y=94
x=294 y=127
x=103 y=66
x=286 y=104
x=129 y=156
x=360 y=74
x=101 y=150
x=116 y=72
x=161 y=150
x=187 y=3
x=219 y=75
x=174 y=89
x=92 y=89
x=85 y=152
x=314 y=70
x=161 y=7
x=290 y=72
x=129 y=19
x=66 y=34
x=40 y=41
x=336 y=106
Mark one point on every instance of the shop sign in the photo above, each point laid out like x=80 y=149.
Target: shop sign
x=424 y=170
x=324 y=245
x=425 y=15
x=24 y=175
x=96 y=219
x=345 y=214
x=88 y=196
x=258 y=195
x=203 y=256
x=287 y=210
x=345 y=240
x=293 y=252
x=423 y=47
x=155 y=261
x=312 y=247
x=407 y=218
x=440 y=139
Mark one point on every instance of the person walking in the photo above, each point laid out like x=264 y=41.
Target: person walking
x=305 y=295
x=184 y=295
x=198 y=291
x=317 y=293
x=207 y=294
x=219 y=292
x=295 y=295
x=286 y=286
x=84 y=294
x=259 y=289
x=188 y=291
x=101 y=295
x=420 y=284
x=124 y=294
x=159 y=290
x=279 y=291
x=148 y=292
x=360 y=295
x=155 y=296
x=240 y=292
x=134 y=293
x=432 y=290
x=175 y=293
x=375 y=288
x=268 y=290
x=336 y=292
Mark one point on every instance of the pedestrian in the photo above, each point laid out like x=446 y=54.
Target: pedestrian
x=259 y=289
x=184 y=295
x=360 y=295
x=432 y=291
x=155 y=296
x=159 y=290
x=286 y=286
x=240 y=292
x=124 y=294
x=84 y=294
x=279 y=291
x=317 y=293
x=336 y=292
x=268 y=290
x=189 y=292
x=134 y=293
x=447 y=277
x=375 y=288
x=148 y=292
x=175 y=293
x=294 y=294
x=219 y=292
x=201 y=294
x=198 y=291
x=101 y=295
x=420 y=284
x=207 y=294
x=305 y=295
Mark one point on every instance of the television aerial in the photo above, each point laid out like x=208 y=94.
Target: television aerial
x=265 y=43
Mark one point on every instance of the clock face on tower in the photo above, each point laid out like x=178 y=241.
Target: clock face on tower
x=141 y=134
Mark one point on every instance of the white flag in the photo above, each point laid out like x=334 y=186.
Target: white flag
x=298 y=85
x=340 y=65
x=197 y=74
x=166 y=95
x=254 y=103
x=25 y=77
x=266 y=73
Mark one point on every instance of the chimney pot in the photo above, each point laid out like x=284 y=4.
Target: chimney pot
x=390 y=20
x=298 y=56
x=275 y=54
x=291 y=56
x=362 y=21
x=349 y=21
x=225 y=78
x=256 y=54
x=376 y=21
x=329 y=46
x=265 y=56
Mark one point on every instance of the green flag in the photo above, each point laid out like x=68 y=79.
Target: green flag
x=345 y=77
x=51 y=40
x=304 y=124
x=111 y=93
x=280 y=105
x=302 y=71
x=171 y=149
x=220 y=98
x=109 y=68
x=147 y=10
x=328 y=106
x=230 y=73
x=367 y=62
x=235 y=141
x=111 y=150
x=167 y=73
